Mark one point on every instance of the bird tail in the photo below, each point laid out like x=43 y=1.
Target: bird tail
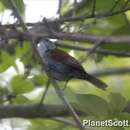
x=98 y=83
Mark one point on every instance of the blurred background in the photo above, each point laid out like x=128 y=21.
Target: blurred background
x=23 y=82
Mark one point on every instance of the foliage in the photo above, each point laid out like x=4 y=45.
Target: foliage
x=27 y=81
x=5 y=4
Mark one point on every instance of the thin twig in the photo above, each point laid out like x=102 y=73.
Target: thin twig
x=100 y=15
x=116 y=53
x=111 y=71
x=98 y=50
x=74 y=19
x=94 y=48
x=65 y=121
x=114 y=6
x=74 y=8
x=94 y=8
x=17 y=14
x=126 y=3
x=59 y=8
x=61 y=95
x=90 y=38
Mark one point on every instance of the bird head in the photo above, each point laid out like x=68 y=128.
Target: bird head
x=45 y=45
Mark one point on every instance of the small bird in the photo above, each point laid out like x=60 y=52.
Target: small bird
x=63 y=67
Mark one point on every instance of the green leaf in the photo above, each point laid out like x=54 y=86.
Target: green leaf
x=65 y=7
x=20 y=99
x=124 y=116
x=117 y=103
x=70 y=95
x=40 y=79
x=40 y=124
x=52 y=97
x=93 y=105
x=103 y=6
x=6 y=61
x=83 y=7
x=5 y=4
x=2 y=7
x=2 y=94
x=21 y=85
x=24 y=52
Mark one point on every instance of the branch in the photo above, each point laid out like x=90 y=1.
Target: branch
x=81 y=37
x=17 y=14
x=94 y=8
x=111 y=71
x=44 y=111
x=33 y=111
x=73 y=19
x=97 y=50
x=126 y=3
x=115 y=53
x=59 y=8
x=100 y=15
x=65 y=121
x=114 y=6
x=91 y=38
x=61 y=95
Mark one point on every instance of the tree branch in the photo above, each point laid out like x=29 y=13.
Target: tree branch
x=112 y=71
x=97 y=50
x=65 y=121
x=100 y=15
x=13 y=34
x=17 y=14
x=61 y=95
x=44 y=111
x=81 y=37
x=91 y=38
x=33 y=111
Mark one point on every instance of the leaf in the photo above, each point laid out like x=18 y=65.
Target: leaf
x=2 y=7
x=65 y=7
x=52 y=97
x=20 y=99
x=124 y=116
x=6 y=61
x=103 y=6
x=24 y=53
x=70 y=95
x=21 y=85
x=84 y=7
x=2 y=94
x=117 y=103
x=40 y=79
x=5 y=4
x=40 y=124
x=93 y=105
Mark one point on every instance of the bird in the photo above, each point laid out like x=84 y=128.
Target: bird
x=61 y=66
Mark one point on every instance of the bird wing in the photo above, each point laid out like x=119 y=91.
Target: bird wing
x=63 y=57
